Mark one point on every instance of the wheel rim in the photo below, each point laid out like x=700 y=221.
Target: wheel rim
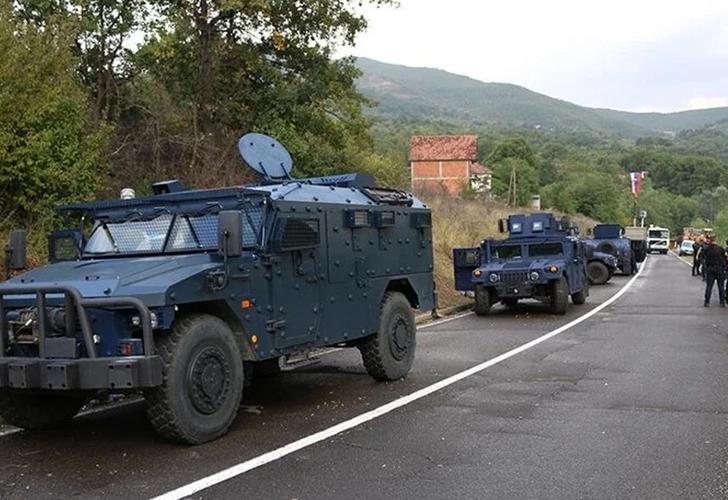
x=208 y=380
x=399 y=338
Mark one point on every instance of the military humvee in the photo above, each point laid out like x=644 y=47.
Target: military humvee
x=542 y=259
x=178 y=294
x=609 y=239
x=600 y=266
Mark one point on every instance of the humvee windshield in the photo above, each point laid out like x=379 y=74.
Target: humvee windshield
x=545 y=250
x=506 y=252
x=165 y=233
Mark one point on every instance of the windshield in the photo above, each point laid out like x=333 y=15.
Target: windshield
x=545 y=250
x=659 y=234
x=166 y=233
x=506 y=252
x=688 y=244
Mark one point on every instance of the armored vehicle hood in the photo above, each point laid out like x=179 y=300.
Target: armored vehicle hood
x=149 y=277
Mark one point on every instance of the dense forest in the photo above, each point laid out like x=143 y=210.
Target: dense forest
x=96 y=95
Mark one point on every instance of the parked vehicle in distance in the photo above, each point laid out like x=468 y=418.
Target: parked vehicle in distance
x=637 y=236
x=686 y=248
x=609 y=239
x=600 y=266
x=658 y=239
x=541 y=259
x=182 y=294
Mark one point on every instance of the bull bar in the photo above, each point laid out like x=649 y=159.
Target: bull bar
x=92 y=372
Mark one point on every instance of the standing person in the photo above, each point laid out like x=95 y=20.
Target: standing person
x=696 y=257
x=714 y=264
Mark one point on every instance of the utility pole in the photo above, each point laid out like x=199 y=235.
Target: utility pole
x=512 y=200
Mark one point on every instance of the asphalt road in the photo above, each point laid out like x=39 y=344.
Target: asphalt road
x=630 y=403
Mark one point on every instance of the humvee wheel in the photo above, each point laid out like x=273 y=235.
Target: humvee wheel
x=202 y=381
x=598 y=273
x=559 y=296
x=483 y=302
x=389 y=353
x=38 y=410
x=579 y=298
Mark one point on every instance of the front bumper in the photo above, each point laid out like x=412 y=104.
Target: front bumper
x=80 y=373
x=132 y=372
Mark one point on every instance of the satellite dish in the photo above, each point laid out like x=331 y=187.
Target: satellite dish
x=266 y=156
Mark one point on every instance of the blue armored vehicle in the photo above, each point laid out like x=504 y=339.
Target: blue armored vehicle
x=180 y=295
x=609 y=239
x=541 y=259
x=600 y=266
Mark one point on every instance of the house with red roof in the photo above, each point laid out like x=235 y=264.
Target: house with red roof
x=447 y=164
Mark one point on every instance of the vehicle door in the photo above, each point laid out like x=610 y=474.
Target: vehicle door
x=465 y=261
x=295 y=278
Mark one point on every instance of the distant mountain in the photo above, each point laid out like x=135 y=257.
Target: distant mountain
x=432 y=94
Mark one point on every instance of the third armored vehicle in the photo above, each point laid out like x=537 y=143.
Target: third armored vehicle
x=179 y=294
x=609 y=239
x=542 y=259
x=600 y=266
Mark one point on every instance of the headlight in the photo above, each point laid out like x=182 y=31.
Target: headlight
x=477 y=273
x=493 y=277
x=553 y=269
x=137 y=321
x=534 y=276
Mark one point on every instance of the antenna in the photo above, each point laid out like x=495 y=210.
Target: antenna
x=266 y=156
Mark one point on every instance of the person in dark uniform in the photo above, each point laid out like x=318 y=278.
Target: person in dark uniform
x=715 y=265
x=696 y=257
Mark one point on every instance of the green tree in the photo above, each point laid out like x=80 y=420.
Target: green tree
x=49 y=153
x=526 y=179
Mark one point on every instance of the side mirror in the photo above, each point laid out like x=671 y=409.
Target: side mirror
x=16 y=253
x=502 y=226
x=230 y=233
x=65 y=245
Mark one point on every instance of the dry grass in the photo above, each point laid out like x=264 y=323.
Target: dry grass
x=459 y=223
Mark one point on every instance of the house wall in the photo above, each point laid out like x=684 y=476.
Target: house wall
x=444 y=177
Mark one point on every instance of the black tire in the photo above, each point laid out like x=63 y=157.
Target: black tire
x=268 y=368
x=388 y=354
x=483 y=301
x=510 y=303
x=202 y=381
x=597 y=272
x=579 y=298
x=559 y=296
x=38 y=410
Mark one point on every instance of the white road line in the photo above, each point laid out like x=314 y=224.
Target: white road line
x=237 y=470
x=445 y=320
x=680 y=259
x=10 y=431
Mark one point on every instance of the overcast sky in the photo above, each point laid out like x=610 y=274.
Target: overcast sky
x=638 y=55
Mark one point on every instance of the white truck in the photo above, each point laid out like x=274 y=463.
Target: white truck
x=658 y=239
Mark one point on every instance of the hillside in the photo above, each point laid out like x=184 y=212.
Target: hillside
x=430 y=94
